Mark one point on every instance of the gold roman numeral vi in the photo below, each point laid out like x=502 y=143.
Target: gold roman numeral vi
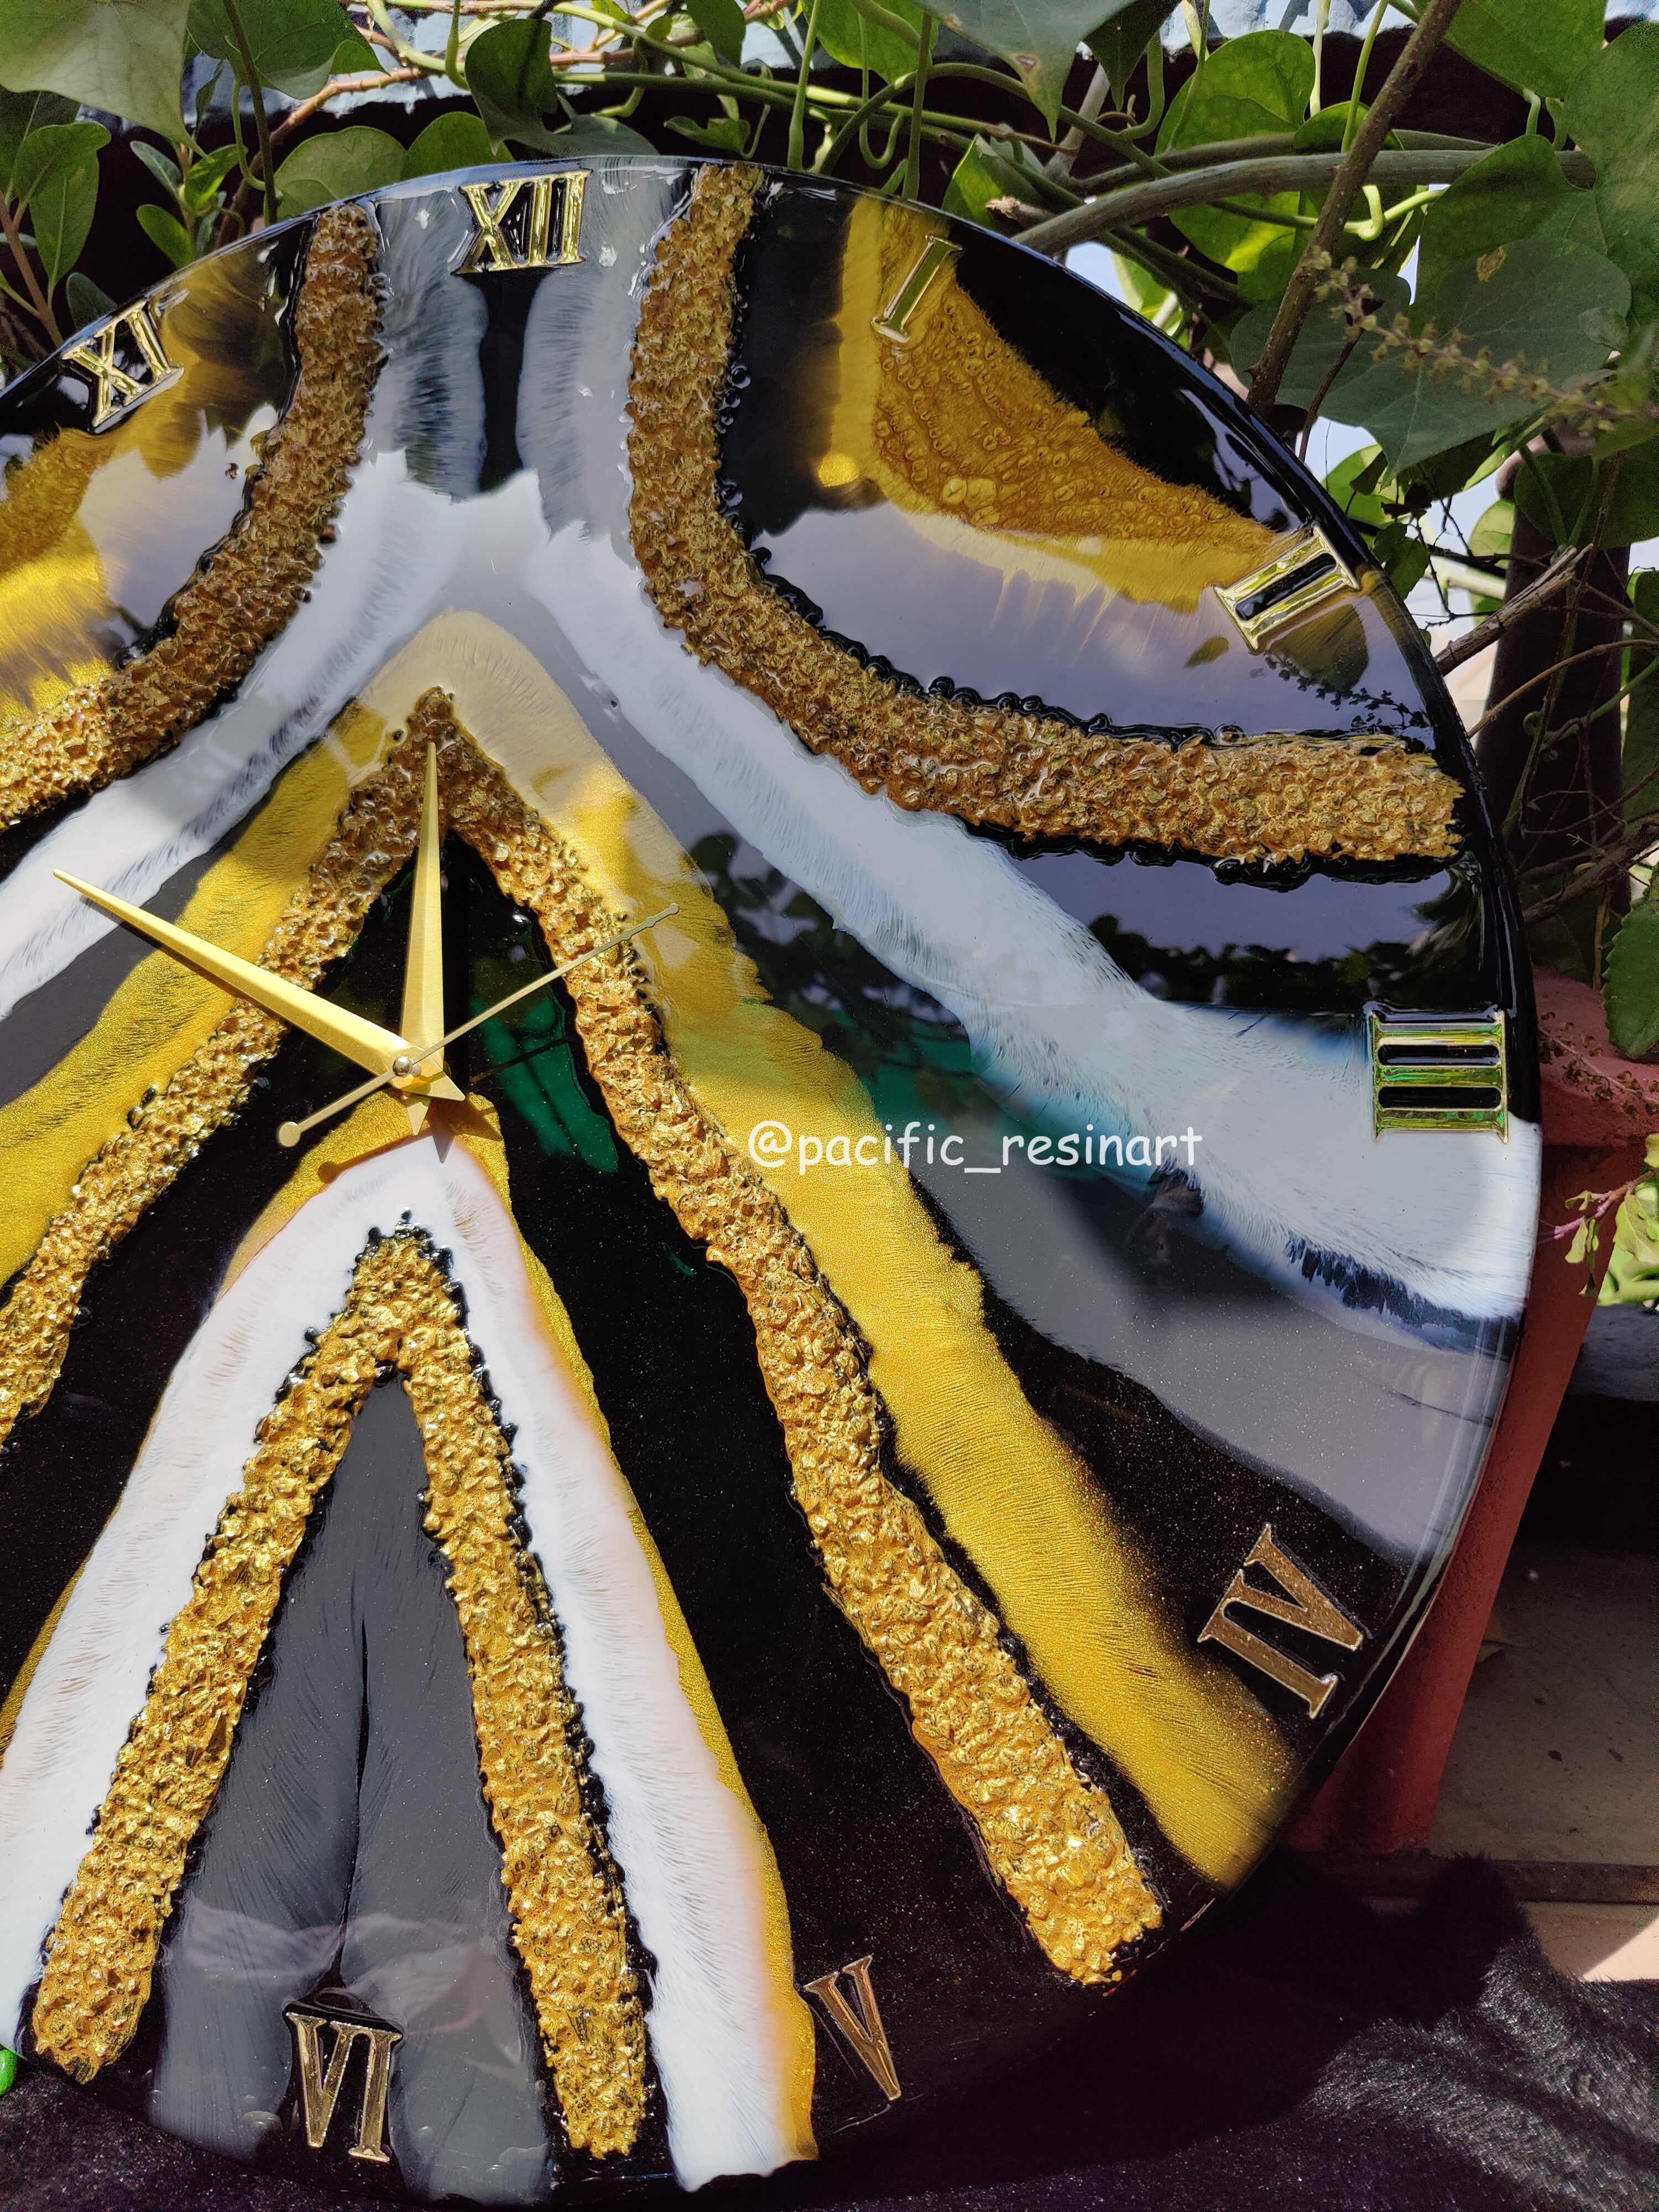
x=130 y=337
x=319 y=2087
x=512 y=223
x=863 y=2028
x=1304 y=1605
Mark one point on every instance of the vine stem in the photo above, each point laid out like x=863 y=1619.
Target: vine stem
x=797 y=156
x=262 y=127
x=918 y=102
x=1368 y=141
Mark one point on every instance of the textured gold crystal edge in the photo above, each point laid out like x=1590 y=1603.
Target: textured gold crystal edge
x=1275 y=799
x=375 y=835
x=221 y=622
x=568 y=1921
x=1051 y=1838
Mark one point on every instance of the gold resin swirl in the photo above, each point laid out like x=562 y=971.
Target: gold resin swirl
x=251 y=586
x=567 y=1922
x=1050 y=1837
x=1273 y=798
x=375 y=835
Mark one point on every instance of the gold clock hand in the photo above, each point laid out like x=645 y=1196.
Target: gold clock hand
x=423 y=968
x=372 y=1046
x=291 y=1131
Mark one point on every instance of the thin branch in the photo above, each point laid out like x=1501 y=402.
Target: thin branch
x=1527 y=601
x=1259 y=177
x=1616 y=862
x=1357 y=164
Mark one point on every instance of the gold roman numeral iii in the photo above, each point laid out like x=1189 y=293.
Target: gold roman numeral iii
x=863 y=2028
x=513 y=225
x=319 y=2087
x=1304 y=1605
x=133 y=337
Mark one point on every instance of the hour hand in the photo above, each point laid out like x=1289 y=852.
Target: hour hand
x=364 y=1041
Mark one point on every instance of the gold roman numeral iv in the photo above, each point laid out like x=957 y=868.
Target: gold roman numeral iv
x=1304 y=1605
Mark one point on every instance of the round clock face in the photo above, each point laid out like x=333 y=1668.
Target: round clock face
x=621 y=1593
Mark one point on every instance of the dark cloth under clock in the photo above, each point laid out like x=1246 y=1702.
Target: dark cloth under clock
x=1298 y=2053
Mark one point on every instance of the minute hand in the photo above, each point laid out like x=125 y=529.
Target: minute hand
x=364 y=1041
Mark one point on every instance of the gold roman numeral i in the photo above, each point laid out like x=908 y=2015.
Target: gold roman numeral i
x=1304 y=1605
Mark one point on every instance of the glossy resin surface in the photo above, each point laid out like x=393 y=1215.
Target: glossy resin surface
x=785 y=1543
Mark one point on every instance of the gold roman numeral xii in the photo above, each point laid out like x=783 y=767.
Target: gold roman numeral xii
x=1304 y=1605
x=513 y=225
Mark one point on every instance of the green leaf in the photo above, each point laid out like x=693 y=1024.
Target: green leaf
x=1504 y=197
x=452 y=142
x=508 y=75
x=726 y=134
x=125 y=56
x=1038 y=38
x=1632 y=512
x=21 y=113
x=56 y=174
x=587 y=135
x=1248 y=88
x=1537 y=45
x=1352 y=483
x=204 y=177
x=1544 y=302
x=1403 y=556
x=165 y=172
x=293 y=42
x=338 y=166
x=88 y=303
x=1318 y=346
x=1612 y=111
x=164 y=230
x=720 y=22
x=857 y=43
x=987 y=172
x=1630 y=988
x=1119 y=40
x=1490 y=537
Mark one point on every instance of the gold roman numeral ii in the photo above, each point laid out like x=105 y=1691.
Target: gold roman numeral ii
x=1304 y=1605
x=863 y=2028
x=133 y=336
x=319 y=2087
x=512 y=223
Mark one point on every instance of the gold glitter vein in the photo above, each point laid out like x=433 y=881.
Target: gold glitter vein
x=568 y=1921
x=1275 y=799
x=1050 y=1837
x=221 y=622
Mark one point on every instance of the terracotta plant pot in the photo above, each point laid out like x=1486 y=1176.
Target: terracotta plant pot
x=1598 y=1111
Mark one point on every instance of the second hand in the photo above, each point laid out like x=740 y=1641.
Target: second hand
x=408 y=1064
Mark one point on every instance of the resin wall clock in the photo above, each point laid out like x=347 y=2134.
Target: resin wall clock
x=719 y=1554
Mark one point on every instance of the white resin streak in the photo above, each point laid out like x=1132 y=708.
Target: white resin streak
x=686 y=1849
